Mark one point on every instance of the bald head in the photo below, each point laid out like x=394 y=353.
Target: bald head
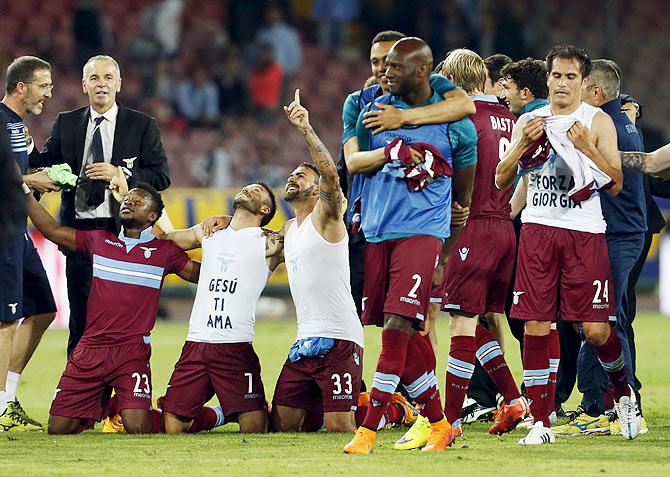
x=413 y=50
x=408 y=67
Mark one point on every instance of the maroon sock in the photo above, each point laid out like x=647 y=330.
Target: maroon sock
x=419 y=380
x=460 y=366
x=611 y=358
x=204 y=420
x=492 y=359
x=536 y=375
x=113 y=406
x=314 y=422
x=609 y=399
x=554 y=361
x=84 y=424
x=156 y=421
x=387 y=376
x=423 y=342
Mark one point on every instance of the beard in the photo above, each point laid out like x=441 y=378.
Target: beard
x=245 y=203
x=292 y=195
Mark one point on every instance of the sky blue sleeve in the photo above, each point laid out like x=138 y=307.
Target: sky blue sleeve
x=441 y=84
x=463 y=137
x=350 y=112
x=362 y=132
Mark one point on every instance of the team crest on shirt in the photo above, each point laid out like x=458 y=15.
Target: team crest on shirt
x=129 y=162
x=13 y=306
x=225 y=259
x=516 y=294
x=293 y=264
x=463 y=252
x=147 y=251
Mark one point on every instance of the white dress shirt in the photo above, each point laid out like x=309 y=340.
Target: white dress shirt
x=107 y=127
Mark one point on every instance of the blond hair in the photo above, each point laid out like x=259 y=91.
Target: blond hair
x=466 y=69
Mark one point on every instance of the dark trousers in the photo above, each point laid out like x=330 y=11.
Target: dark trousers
x=79 y=272
x=632 y=308
x=624 y=250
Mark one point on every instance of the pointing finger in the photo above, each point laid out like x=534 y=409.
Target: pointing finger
x=297 y=95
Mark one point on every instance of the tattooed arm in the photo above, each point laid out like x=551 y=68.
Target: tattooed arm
x=274 y=246
x=329 y=209
x=656 y=163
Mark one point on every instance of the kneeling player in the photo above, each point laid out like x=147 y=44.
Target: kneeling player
x=218 y=357
x=323 y=371
x=114 y=351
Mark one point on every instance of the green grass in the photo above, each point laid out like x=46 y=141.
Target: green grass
x=225 y=452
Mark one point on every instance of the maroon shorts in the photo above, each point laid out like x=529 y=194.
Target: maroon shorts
x=93 y=371
x=479 y=269
x=328 y=384
x=575 y=264
x=399 y=277
x=229 y=370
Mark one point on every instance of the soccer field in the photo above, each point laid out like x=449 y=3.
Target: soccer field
x=226 y=452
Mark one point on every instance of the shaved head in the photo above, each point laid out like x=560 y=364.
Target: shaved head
x=413 y=50
x=408 y=67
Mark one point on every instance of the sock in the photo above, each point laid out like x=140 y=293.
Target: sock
x=554 y=361
x=491 y=358
x=206 y=419
x=12 y=385
x=84 y=424
x=393 y=414
x=611 y=359
x=536 y=375
x=460 y=366
x=156 y=416
x=609 y=399
x=314 y=421
x=3 y=402
x=426 y=347
x=387 y=376
x=113 y=406
x=420 y=381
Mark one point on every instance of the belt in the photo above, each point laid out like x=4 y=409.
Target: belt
x=100 y=223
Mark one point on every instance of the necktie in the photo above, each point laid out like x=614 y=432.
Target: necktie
x=96 y=195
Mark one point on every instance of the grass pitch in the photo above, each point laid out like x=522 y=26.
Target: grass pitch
x=226 y=452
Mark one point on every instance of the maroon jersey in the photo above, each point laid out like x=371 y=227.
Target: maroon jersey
x=494 y=124
x=127 y=278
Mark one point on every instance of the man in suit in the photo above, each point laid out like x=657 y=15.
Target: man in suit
x=94 y=141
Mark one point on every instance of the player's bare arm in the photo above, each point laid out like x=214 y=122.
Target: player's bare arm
x=274 y=247
x=190 y=272
x=41 y=182
x=330 y=207
x=456 y=105
x=462 y=183
x=518 y=200
x=657 y=162
x=600 y=145
x=186 y=239
x=47 y=225
x=523 y=135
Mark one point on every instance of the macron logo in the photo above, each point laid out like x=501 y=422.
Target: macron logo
x=463 y=252
x=116 y=244
x=516 y=294
x=13 y=307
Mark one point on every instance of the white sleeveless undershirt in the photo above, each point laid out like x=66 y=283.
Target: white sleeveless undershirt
x=547 y=200
x=232 y=276
x=318 y=275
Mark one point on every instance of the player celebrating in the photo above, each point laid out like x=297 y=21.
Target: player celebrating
x=218 y=354
x=128 y=272
x=477 y=275
x=404 y=223
x=323 y=371
x=562 y=245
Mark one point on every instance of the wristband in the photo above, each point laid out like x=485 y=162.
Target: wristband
x=26 y=189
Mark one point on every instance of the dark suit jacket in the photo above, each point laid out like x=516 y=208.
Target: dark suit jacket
x=136 y=135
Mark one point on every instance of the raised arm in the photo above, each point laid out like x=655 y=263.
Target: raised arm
x=47 y=225
x=185 y=239
x=331 y=204
x=523 y=135
x=600 y=145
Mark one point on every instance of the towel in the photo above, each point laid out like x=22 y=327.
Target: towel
x=418 y=176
